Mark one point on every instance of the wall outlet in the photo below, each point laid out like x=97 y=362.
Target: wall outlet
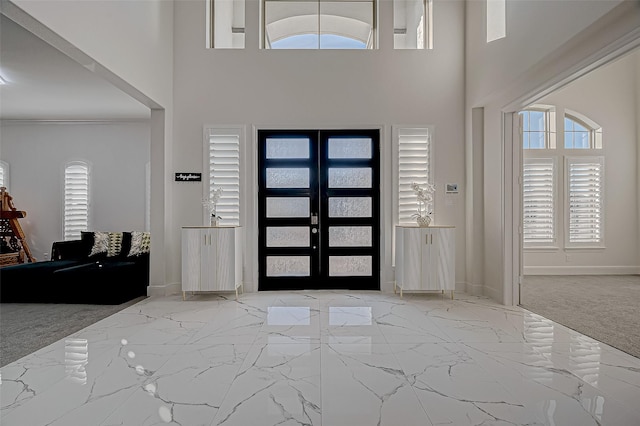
x=568 y=258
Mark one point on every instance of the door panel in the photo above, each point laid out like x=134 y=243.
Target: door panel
x=318 y=209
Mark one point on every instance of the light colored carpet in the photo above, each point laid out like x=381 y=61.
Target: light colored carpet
x=27 y=327
x=602 y=307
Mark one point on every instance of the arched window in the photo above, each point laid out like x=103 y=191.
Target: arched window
x=319 y=24
x=580 y=132
x=76 y=199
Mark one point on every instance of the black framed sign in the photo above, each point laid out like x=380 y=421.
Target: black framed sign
x=188 y=177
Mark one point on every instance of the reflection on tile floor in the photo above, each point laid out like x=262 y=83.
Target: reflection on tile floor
x=323 y=358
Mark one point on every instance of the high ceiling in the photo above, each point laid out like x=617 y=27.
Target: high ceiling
x=45 y=84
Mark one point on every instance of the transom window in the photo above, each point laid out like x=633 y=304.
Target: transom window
x=580 y=132
x=319 y=24
x=412 y=24
x=225 y=24
x=538 y=128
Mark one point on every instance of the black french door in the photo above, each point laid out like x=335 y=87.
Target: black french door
x=318 y=207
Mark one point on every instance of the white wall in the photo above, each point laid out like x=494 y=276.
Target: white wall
x=37 y=153
x=603 y=96
x=500 y=74
x=321 y=89
x=534 y=30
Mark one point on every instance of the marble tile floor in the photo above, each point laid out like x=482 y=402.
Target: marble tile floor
x=327 y=358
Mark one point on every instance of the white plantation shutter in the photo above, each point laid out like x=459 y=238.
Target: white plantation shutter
x=224 y=172
x=414 y=155
x=4 y=175
x=76 y=200
x=538 y=193
x=585 y=181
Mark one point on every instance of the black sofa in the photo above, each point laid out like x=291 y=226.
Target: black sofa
x=78 y=273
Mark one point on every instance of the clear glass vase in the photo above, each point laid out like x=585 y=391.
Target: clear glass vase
x=423 y=221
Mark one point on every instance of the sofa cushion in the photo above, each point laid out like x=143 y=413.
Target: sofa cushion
x=115 y=244
x=36 y=269
x=140 y=243
x=99 y=244
x=107 y=244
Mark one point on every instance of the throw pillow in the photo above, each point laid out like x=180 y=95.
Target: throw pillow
x=115 y=244
x=140 y=243
x=100 y=244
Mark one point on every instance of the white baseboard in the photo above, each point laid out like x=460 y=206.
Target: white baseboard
x=492 y=293
x=581 y=270
x=474 y=289
x=386 y=287
x=163 y=290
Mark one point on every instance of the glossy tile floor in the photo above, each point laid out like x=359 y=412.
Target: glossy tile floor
x=323 y=358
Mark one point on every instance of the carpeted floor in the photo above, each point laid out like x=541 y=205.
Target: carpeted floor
x=27 y=327
x=602 y=307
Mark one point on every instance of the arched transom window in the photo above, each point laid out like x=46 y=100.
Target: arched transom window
x=319 y=24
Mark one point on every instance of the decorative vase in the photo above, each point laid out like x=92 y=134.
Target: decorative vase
x=423 y=221
x=214 y=220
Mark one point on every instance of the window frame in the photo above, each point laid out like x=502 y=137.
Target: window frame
x=427 y=28
x=208 y=186
x=69 y=235
x=555 y=147
x=210 y=25
x=371 y=44
x=567 y=202
x=556 y=202
x=418 y=131
x=550 y=125
x=595 y=130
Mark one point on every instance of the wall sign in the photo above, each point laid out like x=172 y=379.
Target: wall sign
x=188 y=177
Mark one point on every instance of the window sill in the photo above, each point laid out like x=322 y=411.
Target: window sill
x=541 y=249
x=585 y=248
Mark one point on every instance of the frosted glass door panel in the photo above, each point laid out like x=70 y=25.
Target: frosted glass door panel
x=350 y=266
x=287 y=148
x=288 y=207
x=349 y=148
x=287 y=178
x=288 y=266
x=357 y=177
x=350 y=206
x=349 y=236
x=288 y=236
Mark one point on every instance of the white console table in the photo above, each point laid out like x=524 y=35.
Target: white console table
x=425 y=258
x=211 y=259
